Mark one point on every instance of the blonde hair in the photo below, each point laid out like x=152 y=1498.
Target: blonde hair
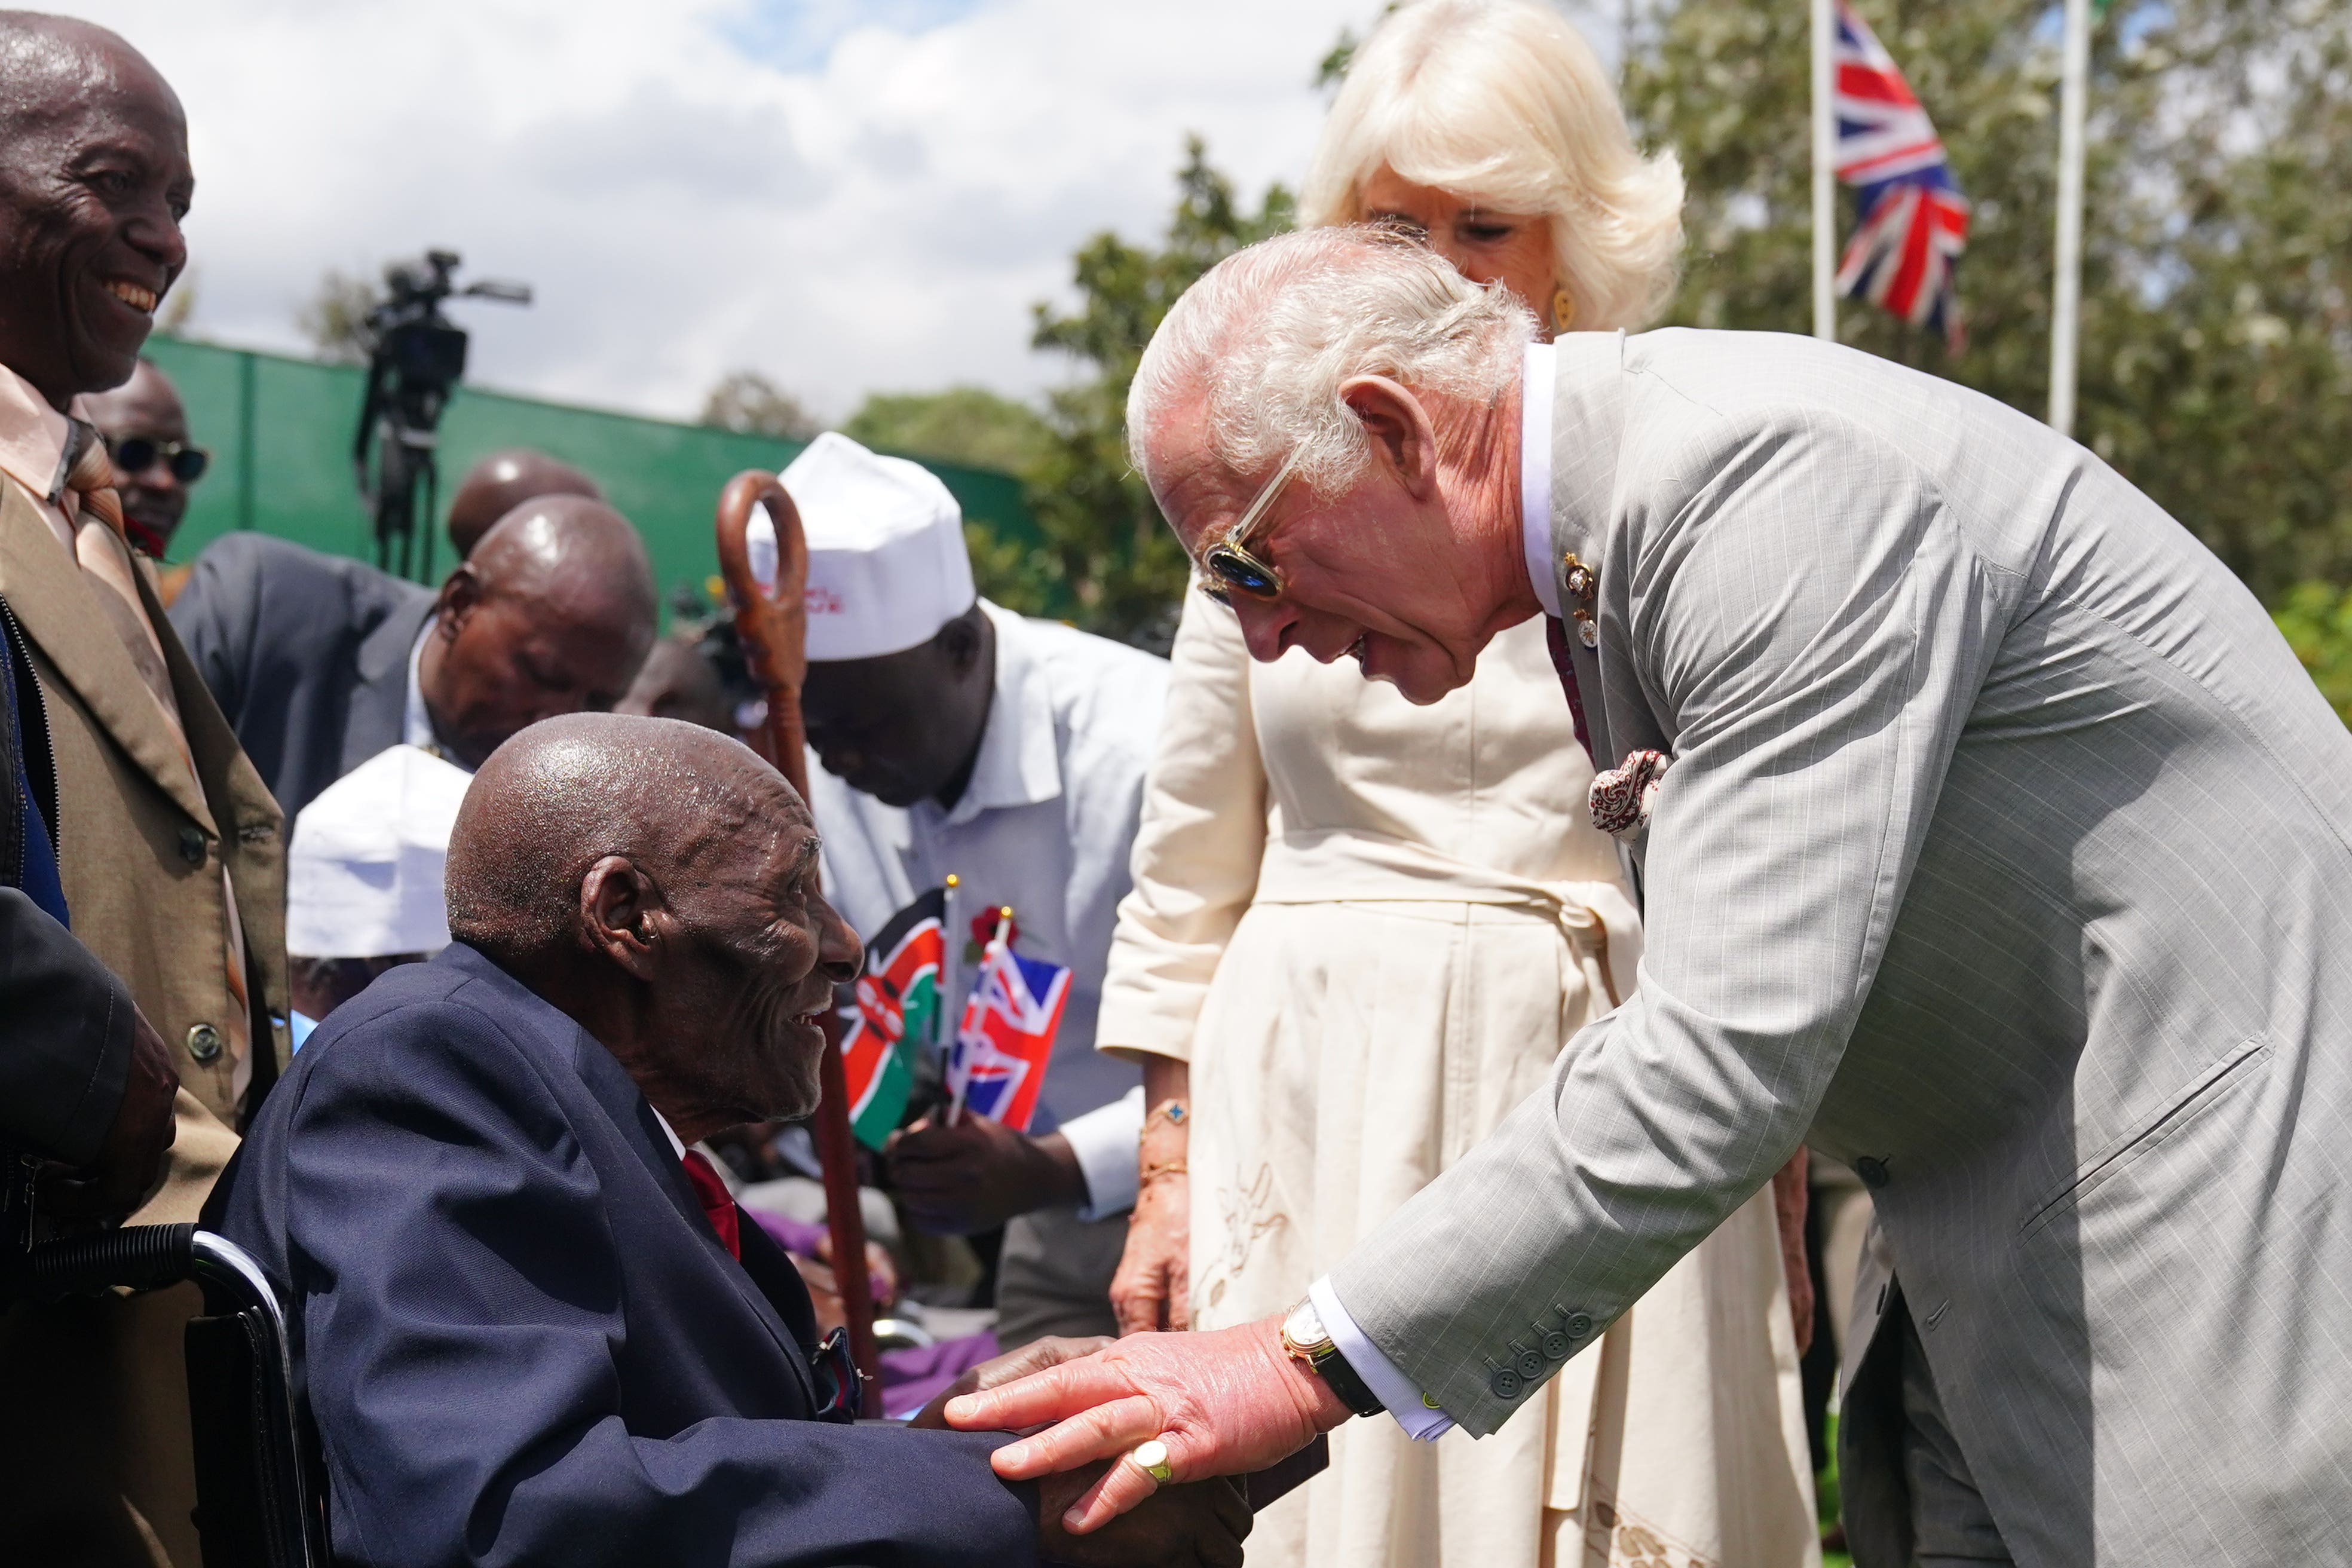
x=1503 y=102
x=1267 y=337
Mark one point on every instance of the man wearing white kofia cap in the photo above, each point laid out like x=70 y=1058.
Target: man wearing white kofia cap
x=364 y=878
x=958 y=738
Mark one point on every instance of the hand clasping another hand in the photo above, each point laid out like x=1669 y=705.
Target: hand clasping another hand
x=1196 y=1526
x=1224 y=1403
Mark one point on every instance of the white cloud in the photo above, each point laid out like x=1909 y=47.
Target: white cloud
x=849 y=196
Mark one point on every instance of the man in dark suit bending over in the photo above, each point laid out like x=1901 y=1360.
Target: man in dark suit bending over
x=322 y=662
x=528 y=1327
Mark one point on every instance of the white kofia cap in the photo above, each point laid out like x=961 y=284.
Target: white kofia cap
x=886 y=561
x=365 y=872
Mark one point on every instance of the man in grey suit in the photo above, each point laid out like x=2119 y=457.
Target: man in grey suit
x=1992 y=840
x=320 y=662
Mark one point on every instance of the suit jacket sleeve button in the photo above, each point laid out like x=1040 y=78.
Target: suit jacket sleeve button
x=1872 y=1170
x=1505 y=1383
x=1530 y=1364
x=192 y=846
x=205 y=1043
x=1578 y=1324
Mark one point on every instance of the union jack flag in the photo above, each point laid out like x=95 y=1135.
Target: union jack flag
x=1914 y=222
x=1005 y=1042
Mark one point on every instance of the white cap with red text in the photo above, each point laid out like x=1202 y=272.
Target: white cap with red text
x=886 y=561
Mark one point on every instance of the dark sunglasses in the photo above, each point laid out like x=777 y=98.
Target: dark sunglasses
x=840 y=1386
x=137 y=454
x=1228 y=566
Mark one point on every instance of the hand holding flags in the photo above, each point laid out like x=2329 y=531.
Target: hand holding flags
x=1913 y=220
x=998 y=1061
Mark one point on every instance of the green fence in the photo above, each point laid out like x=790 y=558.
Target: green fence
x=280 y=434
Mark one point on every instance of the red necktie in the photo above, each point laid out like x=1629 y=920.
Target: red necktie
x=1556 y=638
x=718 y=1206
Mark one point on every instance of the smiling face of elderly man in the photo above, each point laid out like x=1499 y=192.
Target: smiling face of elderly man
x=1396 y=538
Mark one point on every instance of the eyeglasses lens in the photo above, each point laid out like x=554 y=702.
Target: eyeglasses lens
x=839 y=1383
x=1238 y=571
x=137 y=454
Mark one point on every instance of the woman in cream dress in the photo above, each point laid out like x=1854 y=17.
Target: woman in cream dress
x=1361 y=931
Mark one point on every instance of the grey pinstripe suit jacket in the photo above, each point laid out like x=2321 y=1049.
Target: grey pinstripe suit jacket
x=2006 y=845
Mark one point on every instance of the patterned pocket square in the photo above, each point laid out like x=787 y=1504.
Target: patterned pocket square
x=1622 y=797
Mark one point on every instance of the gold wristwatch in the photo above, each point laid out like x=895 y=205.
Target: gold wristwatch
x=1305 y=1340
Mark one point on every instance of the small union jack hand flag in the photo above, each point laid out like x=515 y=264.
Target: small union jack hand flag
x=1005 y=1040
x=1914 y=222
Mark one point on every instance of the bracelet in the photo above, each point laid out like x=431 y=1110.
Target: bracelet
x=1175 y=1110
x=1153 y=1171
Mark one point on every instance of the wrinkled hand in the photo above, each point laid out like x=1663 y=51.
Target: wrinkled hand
x=131 y=1161
x=1225 y=1404
x=1202 y=1524
x=1790 y=1198
x=1197 y=1526
x=975 y=1175
x=1034 y=1357
x=1153 y=1288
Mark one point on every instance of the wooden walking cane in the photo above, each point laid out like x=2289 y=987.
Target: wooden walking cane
x=771 y=622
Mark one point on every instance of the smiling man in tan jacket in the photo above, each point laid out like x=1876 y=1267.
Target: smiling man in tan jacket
x=168 y=845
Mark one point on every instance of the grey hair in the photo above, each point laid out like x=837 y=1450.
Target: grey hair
x=1267 y=338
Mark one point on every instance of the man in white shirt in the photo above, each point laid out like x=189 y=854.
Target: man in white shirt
x=958 y=738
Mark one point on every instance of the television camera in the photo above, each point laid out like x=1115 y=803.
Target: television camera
x=416 y=356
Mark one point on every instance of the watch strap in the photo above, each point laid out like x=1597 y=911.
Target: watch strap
x=1342 y=1379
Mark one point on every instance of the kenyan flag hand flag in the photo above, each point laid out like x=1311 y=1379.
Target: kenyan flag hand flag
x=896 y=1016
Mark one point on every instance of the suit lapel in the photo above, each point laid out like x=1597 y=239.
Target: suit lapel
x=50 y=594
x=618 y=1093
x=1587 y=427
x=378 y=714
x=1586 y=662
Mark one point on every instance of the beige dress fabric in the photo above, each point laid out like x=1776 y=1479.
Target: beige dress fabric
x=1368 y=928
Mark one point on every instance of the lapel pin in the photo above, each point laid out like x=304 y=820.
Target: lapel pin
x=1580 y=584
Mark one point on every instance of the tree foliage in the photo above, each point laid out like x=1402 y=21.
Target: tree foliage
x=334 y=317
x=750 y=403
x=2216 y=349
x=1107 y=552
x=962 y=425
x=2317 y=620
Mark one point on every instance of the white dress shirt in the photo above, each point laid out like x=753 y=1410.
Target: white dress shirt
x=1046 y=825
x=415 y=719
x=1425 y=1422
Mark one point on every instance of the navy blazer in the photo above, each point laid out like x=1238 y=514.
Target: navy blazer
x=519 y=1336
x=306 y=654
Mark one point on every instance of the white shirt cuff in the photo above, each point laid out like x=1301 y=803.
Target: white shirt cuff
x=1106 y=1139
x=1422 y=1421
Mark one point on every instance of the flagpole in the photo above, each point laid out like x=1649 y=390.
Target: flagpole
x=1824 y=173
x=2066 y=286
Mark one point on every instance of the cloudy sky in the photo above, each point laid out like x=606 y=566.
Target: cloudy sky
x=847 y=195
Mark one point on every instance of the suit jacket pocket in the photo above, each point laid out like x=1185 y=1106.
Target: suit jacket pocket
x=2203 y=1092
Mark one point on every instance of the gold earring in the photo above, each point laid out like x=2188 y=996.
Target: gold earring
x=1563 y=310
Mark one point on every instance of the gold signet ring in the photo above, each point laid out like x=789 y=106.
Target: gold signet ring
x=1152 y=1458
